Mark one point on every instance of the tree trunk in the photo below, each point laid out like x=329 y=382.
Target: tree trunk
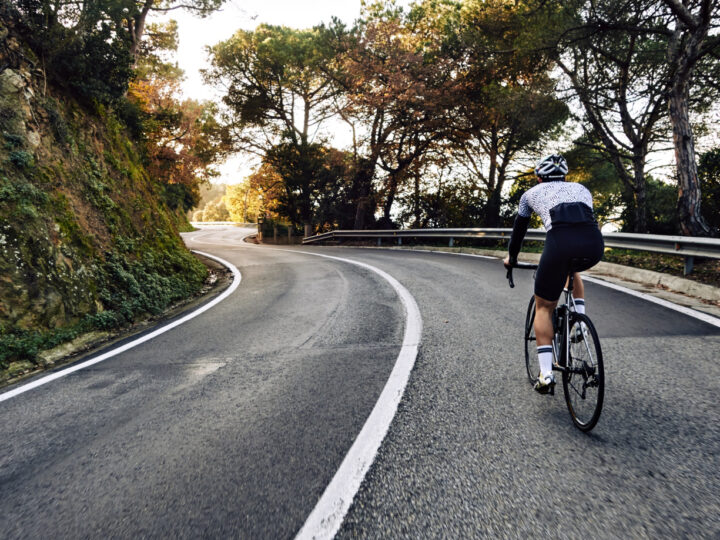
x=492 y=209
x=360 y=213
x=364 y=170
x=416 y=200
x=137 y=29
x=639 y=194
x=689 y=195
x=389 y=199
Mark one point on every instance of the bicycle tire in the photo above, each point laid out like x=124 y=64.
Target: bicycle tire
x=584 y=377
x=531 y=362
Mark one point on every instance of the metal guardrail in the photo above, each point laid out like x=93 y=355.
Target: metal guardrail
x=221 y=223
x=686 y=246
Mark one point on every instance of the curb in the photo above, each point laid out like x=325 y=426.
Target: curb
x=655 y=279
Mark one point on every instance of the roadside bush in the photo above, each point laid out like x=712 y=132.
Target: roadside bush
x=709 y=174
x=57 y=122
x=180 y=196
x=661 y=206
x=12 y=141
x=21 y=159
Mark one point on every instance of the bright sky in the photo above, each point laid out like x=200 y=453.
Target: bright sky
x=195 y=34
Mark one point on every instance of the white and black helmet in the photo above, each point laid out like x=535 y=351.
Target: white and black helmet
x=553 y=167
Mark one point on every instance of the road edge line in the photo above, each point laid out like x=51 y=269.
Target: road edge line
x=329 y=512
x=237 y=277
x=705 y=317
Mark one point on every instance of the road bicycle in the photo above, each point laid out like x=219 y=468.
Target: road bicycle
x=576 y=353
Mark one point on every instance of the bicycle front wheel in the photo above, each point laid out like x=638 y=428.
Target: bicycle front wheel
x=531 y=361
x=584 y=377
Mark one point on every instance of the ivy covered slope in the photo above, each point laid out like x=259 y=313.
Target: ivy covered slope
x=87 y=240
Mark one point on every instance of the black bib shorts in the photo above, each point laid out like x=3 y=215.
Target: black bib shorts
x=562 y=243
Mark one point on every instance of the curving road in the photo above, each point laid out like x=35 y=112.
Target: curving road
x=233 y=424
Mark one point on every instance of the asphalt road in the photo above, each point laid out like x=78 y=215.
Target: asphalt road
x=232 y=424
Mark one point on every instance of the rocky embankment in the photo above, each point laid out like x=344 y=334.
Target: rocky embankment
x=86 y=240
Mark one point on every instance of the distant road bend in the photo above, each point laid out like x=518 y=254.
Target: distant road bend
x=233 y=424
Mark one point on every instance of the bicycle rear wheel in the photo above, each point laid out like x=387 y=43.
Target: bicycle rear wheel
x=531 y=361
x=584 y=377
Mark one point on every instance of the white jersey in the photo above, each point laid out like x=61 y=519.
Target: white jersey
x=547 y=195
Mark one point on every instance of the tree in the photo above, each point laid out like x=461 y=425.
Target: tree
x=441 y=197
x=685 y=33
x=269 y=186
x=709 y=175
x=691 y=41
x=81 y=45
x=278 y=96
x=620 y=79
x=590 y=167
x=398 y=89
x=92 y=46
x=506 y=103
x=243 y=201
x=140 y=9
x=183 y=139
x=300 y=167
x=213 y=211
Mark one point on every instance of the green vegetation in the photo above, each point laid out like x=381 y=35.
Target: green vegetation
x=88 y=237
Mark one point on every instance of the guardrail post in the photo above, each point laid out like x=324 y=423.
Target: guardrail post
x=399 y=240
x=689 y=261
x=275 y=234
x=452 y=242
x=290 y=228
x=379 y=242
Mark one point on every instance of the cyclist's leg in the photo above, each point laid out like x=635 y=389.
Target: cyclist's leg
x=543 y=320
x=584 y=242
x=544 y=335
x=549 y=281
x=578 y=292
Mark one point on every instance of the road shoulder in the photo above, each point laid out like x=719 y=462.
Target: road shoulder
x=680 y=291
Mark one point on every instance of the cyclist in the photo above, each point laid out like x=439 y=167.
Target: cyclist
x=566 y=210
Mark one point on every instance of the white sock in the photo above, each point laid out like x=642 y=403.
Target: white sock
x=545 y=357
x=580 y=306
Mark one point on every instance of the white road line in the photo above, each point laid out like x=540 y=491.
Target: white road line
x=475 y=255
x=665 y=303
x=330 y=510
x=63 y=373
x=197 y=237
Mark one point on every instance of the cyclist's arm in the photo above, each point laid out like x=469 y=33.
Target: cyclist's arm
x=522 y=221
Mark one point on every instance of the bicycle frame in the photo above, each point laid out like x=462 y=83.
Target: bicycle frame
x=562 y=349
x=580 y=372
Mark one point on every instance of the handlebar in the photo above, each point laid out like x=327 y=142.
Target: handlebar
x=525 y=266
